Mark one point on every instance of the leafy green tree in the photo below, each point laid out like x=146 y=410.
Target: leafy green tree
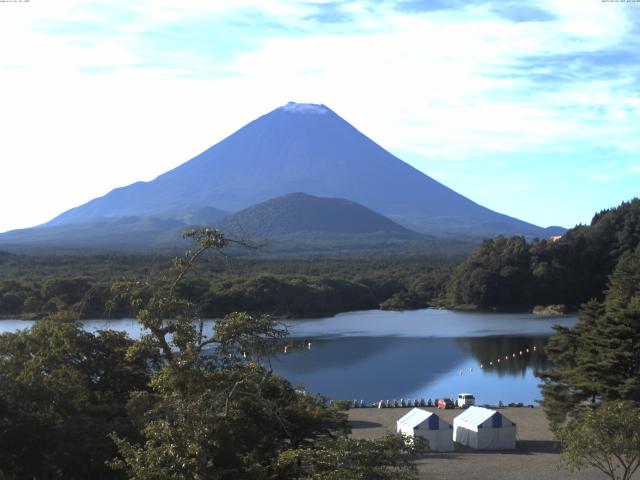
x=493 y=275
x=606 y=437
x=184 y=402
x=62 y=391
x=215 y=410
x=387 y=458
x=222 y=424
x=574 y=357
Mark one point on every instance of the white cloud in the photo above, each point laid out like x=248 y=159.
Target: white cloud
x=448 y=87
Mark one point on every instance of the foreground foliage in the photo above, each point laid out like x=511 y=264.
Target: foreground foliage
x=387 y=458
x=606 y=437
x=183 y=402
x=62 y=392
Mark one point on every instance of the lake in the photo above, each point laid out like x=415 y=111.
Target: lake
x=379 y=355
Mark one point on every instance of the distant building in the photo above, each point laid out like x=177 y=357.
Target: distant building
x=430 y=426
x=555 y=238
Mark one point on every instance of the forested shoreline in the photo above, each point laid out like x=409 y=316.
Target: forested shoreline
x=513 y=273
x=32 y=287
x=504 y=274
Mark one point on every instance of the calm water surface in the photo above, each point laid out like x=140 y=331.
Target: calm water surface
x=375 y=355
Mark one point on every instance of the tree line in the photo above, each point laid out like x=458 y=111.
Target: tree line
x=33 y=287
x=511 y=272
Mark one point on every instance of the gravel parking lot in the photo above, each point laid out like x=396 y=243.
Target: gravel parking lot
x=535 y=458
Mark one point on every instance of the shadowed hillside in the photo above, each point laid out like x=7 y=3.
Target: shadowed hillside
x=299 y=213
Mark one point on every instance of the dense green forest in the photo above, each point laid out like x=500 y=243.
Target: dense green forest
x=502 y=273
x=511 y=272
x=32 y=286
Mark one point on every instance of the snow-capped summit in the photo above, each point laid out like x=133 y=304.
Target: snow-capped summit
x=313 y=108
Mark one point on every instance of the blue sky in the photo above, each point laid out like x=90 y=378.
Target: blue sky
x=529 y=108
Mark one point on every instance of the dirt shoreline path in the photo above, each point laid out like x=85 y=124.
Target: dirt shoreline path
x=536 y=457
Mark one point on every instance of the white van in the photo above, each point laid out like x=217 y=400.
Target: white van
x=465 y=400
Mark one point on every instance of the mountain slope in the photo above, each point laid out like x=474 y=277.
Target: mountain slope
x=302 y=148
x=299 y=213
x=115 y=232
x=120 y=232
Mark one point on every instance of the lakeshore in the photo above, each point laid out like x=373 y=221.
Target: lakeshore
x=536 y=457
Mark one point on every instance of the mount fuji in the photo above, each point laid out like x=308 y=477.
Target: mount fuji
x=304 y=148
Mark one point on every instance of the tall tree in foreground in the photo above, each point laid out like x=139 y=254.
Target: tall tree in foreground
x=592 y=393
x=184 y=402
x=215 y=409
x=599 y=358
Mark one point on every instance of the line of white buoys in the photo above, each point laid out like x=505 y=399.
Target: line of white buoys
x=534 y=348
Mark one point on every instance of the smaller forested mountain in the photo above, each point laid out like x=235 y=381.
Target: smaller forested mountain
x=299 y=213
x=571 y=270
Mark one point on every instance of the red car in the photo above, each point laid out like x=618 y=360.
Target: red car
x=445 y=403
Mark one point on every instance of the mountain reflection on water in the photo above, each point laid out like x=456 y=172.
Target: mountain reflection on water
x=489 y=349
x=376 y=355
x=377 y=368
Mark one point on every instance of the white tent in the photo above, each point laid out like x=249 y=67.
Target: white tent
x=427 y=425
x=484 y=429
